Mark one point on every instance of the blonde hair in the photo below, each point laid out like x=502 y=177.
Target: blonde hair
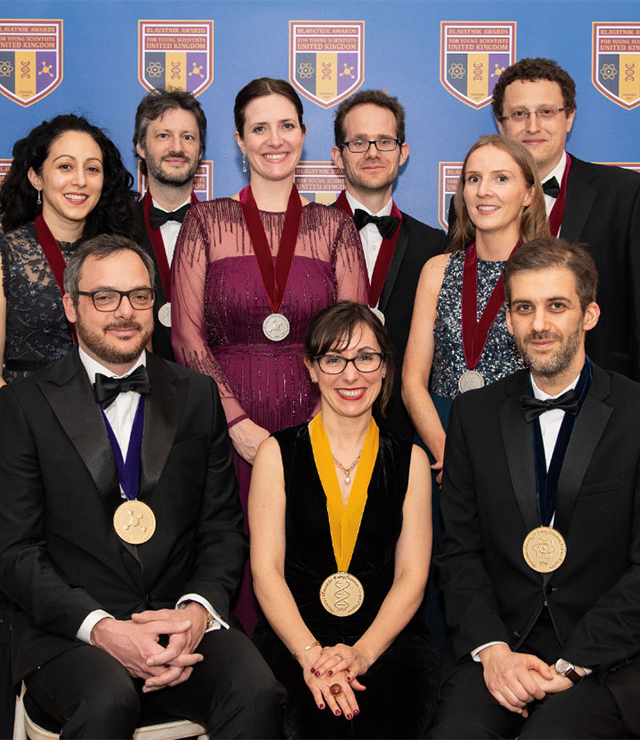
x=533 y=224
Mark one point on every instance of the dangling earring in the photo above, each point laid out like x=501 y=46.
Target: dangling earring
x=244 y=162
x=39 y=201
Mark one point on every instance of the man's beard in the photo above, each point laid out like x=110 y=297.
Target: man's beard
x=154 y=168
x=107 y=353
x=559 y=360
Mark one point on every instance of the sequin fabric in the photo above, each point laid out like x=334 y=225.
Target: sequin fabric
x=37 y=331
x=219 y=304
x=499 y=357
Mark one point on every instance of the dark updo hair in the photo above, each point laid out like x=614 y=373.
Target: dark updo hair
x=258 y=89
x=115 y=212
x=334 y=327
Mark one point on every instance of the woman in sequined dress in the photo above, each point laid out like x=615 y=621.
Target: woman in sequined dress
x=69 y=173
x=219 y=301
x=500 y=202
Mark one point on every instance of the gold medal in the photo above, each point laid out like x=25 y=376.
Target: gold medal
x=341 y=594
x=544 y=549
x=134 y=522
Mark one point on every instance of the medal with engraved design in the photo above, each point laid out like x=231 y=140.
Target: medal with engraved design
x=164 y=314
x=470 y=380
x=276 y=327
x=134 y=522
x=341 y=594
x=544 y=549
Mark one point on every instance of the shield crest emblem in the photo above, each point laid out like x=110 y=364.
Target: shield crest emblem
x=326 y=59
x=175 y=54
x=319 y=181
x=473 y=55
x=202 y=181
x=449 y=174
x=30 y=59
x=615 y=57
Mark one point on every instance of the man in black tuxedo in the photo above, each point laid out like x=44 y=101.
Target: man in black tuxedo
x=169 y=138
x=534 y=103
x=370 y=148
x=541 y=592
x=121 y=571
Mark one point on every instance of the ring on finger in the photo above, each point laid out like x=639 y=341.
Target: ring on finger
x=335 y=689
x=339 y=655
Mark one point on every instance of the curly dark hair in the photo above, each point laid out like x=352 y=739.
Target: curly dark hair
x=115 y=212
x=532 y=70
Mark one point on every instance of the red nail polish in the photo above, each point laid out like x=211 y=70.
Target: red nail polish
x=321 y=706
x=348 y=678
x=313 y=670
x=356 y=711
x=348 y=716
x=330 y=673
x=338 y=712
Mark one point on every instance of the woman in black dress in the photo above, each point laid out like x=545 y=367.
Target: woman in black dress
x=339 y=513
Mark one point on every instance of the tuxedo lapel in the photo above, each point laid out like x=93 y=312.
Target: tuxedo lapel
x=518 y=443
x=162 y=414
x=70 y=396
x=396 y=263
x=580 y=199
x=590 y=425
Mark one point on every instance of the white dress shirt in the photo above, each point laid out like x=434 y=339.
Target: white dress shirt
x=170 y=230
x=120 y=414
x=550 y=423
x=370 y=235
x=558 y=173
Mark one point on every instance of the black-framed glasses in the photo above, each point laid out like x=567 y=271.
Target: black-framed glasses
x=110 y=300
x=365 y=362
x=544 y=114
x=360 y=146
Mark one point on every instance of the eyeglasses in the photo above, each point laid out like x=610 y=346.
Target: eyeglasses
x=360 y=146
x=367 y=362
x=110 y=300
x=518 y=116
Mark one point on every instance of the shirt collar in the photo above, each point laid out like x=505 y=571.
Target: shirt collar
x=558 y=171
x=538 y=393
x=160 y=208
x=385 y=211
x=93 y=366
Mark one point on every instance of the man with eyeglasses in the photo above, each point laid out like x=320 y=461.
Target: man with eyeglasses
x=370 y=147
x=596 y=205
x=121 y=539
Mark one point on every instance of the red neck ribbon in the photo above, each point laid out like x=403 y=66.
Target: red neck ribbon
x=557 y=212
x=53 y=255
x=275 y=278
x=385 y=255
x=474 y=332
x=157 y=242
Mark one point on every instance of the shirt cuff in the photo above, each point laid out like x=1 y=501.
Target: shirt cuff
x=475 y=654
x=89 y=622
x=218 y=621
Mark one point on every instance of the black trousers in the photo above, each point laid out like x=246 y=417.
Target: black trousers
x=466 y=709
x=232 y=692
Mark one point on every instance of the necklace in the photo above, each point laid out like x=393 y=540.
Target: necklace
x=347 y=471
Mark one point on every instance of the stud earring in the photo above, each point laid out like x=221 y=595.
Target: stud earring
x=244 y=162
x=39 y=201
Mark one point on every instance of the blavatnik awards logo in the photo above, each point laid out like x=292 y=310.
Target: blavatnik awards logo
x=615 y=66
x=175 y=54
x=30 y=59
x=473 y=55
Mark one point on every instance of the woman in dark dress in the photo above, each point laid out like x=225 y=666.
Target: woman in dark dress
x=340 y=523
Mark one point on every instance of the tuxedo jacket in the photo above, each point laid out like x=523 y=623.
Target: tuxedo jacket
x=489 y=505
x=602 y=212
x=60 y=557
x=161 y=334
x=416 y=243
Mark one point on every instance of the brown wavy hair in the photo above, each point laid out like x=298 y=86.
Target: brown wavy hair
x=533 y=224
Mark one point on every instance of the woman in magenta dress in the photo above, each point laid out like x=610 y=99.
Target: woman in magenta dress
x=249 y=273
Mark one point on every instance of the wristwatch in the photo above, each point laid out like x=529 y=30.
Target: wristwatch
x=568 y=670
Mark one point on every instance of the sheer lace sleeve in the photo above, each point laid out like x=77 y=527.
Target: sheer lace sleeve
x=348 y=262
x=191 y=262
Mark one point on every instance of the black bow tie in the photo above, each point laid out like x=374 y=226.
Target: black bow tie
x=157 y=216
x=106 y=389
x=551 y=187
x=533 y=407
x=387 y=225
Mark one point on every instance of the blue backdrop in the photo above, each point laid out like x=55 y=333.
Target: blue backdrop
x=402 y=45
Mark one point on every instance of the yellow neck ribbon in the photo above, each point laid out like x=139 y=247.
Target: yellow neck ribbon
x=344 y=523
